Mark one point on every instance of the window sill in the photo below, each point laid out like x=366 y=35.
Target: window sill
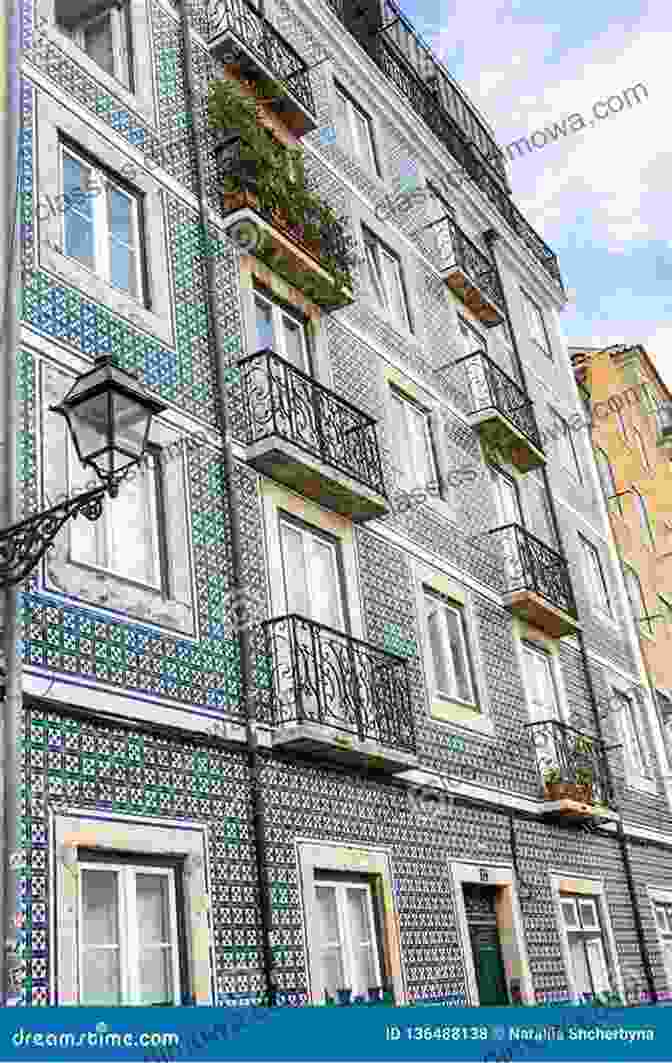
x=456 y=712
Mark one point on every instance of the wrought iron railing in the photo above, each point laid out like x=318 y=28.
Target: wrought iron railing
x=319 y=675
x=281 y=400
x=533 y=566
x=457 y=134
x=572 y=757
x=490 y=387
x=456 y=249
x=327 y=242
x=258 y=35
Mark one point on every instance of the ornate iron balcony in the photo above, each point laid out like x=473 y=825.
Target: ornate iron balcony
x=238 y=29
x=538 y=587
x=572 y=764
x=330 y=691
x=468 y=272
x=433 y=99
x=501 y=411
x=291 y=419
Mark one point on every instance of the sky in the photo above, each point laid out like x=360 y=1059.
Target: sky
x=602 y=197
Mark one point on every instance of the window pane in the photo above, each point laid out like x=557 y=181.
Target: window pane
x=598 y=965
x=98 y=42
x=78 y=218
x=375 y=278
x=156 y=976
x=264 y=323
x=152 y=904
x=100 y=977
x=402 y=442
x=579 y=965
x=324 y=589
x=132 y=536
x=342 y=123
x=363 y=142
x=123 y=258
x=100 y=908
x=458 y=654
x=442 y=674
x=294 y=348
x=358 y=915
x=392 y=282
x=569 y=913
x=362 y=940
x=296 y=586
x=588 y=915
x=332 y=960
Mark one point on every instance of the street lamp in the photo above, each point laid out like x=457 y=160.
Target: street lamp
x=109 y=416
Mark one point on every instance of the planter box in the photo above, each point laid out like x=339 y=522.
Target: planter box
x=559 y=791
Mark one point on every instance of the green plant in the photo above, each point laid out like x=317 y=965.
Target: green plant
x=584 y=776
x=583 y=744
x=552 y=776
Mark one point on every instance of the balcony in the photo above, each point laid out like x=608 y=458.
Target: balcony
x=307 y=437
x=664 y=425
x=501 y=412
x=573 y=767
x=395 y=47
x=241 y=35
x=333 y=696
x=538 y=587
x=469 y=273
x=310 y=251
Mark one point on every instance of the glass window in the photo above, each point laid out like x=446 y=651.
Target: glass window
x=622 y=427
x=643 y=453
x=595 y=580
x=633 y=733
x=473 y=339
x=635 y=595
x=279 y=330
x=384 y=273
x=567 y=450
x=355 y=131
x=102 y=232
x=540 y=684
x=448 y=648
x=606 y=473
x=663 y=910
x=412 y=437
x=128 y=951
x=127 y=539
x=536 y=324
x=103 y=34
x=586 y=943
x=347 y=933
x=311 y=575
x=644 y=522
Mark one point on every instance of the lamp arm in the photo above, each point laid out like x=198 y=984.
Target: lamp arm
x=23 y=545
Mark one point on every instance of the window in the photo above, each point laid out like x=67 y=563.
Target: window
x=606 y=473
x=642 y=451
x=635 y=596
x=622 y=427
x=127 y=540
x=473 y=340
x=279 y=329
x=349 y=949
x=590 y=972
x=536 y=325
x=128 y=939
x=540 y=684
x=644 y=522
x=311 y=574
x=448 y=649
x=385 y=280
x=413 y=442
x=507 y=498
x=101 y=224
x=354 y=130
x=633 y=736
x=595 y=581
x=103 y=32
x=663 y=912
x=568 y=455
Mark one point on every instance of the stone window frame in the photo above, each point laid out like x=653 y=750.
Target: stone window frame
x=54 y=124
x=144 y=837
x=176 y=609
x=661 y=896
x=141 y=97
x=596 y=889
x=443 y=710
x=509 y=924
x=355 y=859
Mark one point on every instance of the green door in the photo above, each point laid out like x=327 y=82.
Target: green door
x=488 y=965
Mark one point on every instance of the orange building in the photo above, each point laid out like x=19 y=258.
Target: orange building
x=631 y=420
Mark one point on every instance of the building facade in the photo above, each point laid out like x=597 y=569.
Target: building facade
x=631 y=443
x=341 y=697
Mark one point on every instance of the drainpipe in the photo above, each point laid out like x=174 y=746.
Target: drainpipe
x=237 y=582
x=12 y=719
x=491 y=237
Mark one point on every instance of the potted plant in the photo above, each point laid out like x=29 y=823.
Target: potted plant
x=584 y=784
x=583 y=744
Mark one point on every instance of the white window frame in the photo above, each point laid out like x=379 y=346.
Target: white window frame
x=365 y=153
x=595 y=578
x=536 y=325
x=568 y=456
x=432 y=598
x=585 y=889
x=278 y=313
x=345 y=930
x=374 y=254
x=644 y=522
x=99 y=181
x=128 y=946
x=631 y=579
x=643 y=452
x=118 y=11
x=103 y=530
x=308 y=536
x=409 y=411
x=605 y=471
x=638 y=742
x=661 y=902
x=470 y=333
x=589 y=935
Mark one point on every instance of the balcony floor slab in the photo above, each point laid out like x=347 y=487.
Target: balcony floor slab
x=541 y=613
x=326 y=743
x=500 y=432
